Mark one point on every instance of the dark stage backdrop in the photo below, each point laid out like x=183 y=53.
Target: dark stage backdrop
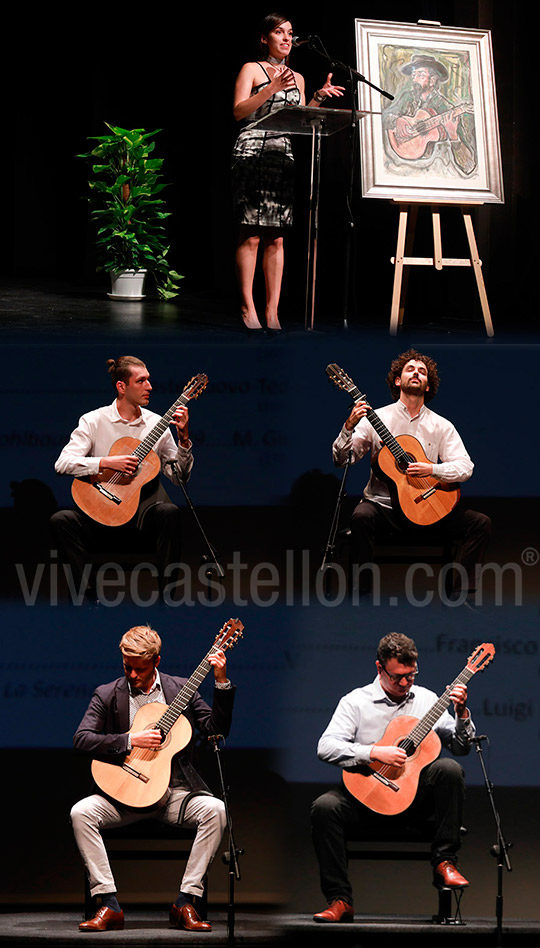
x=291 y=668
x=175 y=70
x=269 y=415
x=263 y=424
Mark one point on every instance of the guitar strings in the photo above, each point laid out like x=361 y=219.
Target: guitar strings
x=146 y=445
x=420 y=480
x=424 y=726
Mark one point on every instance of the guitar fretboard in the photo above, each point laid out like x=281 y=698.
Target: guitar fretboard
x=386 y=437
x=158 y=430
x=184 y=696
x=424 y=726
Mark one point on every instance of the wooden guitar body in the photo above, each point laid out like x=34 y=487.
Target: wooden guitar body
x=411 y=138
x=119 y=498
x=423 y=500
x=383 y=799
x=143 y=777
x=412 y=146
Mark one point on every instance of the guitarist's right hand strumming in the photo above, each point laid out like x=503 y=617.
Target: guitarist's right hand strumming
x=152 y=737
x=123 y=463
x=392 y=755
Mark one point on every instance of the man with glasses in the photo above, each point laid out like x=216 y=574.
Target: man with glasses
x=359 y=721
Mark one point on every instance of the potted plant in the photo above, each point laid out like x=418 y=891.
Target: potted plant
x=128 y=208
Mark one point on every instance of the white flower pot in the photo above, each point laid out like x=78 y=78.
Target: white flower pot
x=127 y=285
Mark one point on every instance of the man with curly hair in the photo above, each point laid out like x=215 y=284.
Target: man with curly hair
x=413 y=380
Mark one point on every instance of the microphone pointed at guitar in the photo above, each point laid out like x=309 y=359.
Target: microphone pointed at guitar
x=111 y=497
x=422 y=499
x=389 y=789
x=144 y=775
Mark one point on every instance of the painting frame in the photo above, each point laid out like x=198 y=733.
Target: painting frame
x=438 y=139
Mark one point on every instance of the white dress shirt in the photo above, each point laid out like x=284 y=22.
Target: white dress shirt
x=363 y=715
x=438 y=437
x=97 y=431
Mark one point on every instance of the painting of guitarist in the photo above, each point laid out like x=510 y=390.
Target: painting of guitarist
x=430 y=122
x=418 y=460
x=363 y=732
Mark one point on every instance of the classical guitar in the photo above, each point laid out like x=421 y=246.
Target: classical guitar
x=411 y=136
x=390 y=790
x=424 y=500
x=112 y=498
x=144 y=775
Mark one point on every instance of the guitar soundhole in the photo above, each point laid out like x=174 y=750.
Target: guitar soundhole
x=164 y=736
x=404 y=462
x=408 y=746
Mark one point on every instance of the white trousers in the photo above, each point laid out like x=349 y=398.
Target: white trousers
x=96 y=812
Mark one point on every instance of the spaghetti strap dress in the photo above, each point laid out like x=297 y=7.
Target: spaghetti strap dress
x=263 y=166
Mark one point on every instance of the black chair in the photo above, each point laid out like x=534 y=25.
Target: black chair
x=412 y=844
x=395 y=547
x=147 y=839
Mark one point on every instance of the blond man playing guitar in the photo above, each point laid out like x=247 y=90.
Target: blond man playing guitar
x=109 y=732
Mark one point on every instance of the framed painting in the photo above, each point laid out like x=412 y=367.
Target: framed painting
x=437 y=137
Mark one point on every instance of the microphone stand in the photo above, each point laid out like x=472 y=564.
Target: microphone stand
x=352 y=74
x=210 y=557
x=500 y=849
x=230 y=858
x=331 y=542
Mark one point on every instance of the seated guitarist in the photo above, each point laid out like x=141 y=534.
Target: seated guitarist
x=413 y=380
x=87 y=453
x=360 y=720
x=104 y=733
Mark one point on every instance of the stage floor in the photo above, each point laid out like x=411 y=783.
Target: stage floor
x=53 y=311
x=150 y=927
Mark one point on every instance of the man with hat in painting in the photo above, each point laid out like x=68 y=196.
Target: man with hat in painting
x=412 y=129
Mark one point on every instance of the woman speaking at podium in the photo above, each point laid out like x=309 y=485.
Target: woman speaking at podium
x=262 y=165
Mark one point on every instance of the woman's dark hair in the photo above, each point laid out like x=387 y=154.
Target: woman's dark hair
x=269 y=23
x=397 y=367
x=397 y=646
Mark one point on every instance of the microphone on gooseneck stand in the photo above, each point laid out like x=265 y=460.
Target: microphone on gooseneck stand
x=296 y=41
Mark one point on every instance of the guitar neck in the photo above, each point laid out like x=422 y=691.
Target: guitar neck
x=387 y=439
x=425 y=725
x=184 y=696
x=158 y=430
x=435 y=120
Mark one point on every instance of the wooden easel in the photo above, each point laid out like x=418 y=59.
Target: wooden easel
x=404 y=249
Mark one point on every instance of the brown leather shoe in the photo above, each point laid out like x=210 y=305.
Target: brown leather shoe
x=446 y=874
x=105 y=920
x=338 y=911
x=188 y=919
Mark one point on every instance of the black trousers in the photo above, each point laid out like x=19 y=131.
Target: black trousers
x=469 y=529
x=75 y=534
x=337 y=816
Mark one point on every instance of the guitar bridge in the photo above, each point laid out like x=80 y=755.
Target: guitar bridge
x=388 y=783
x=107 y=493
x=135 y=773
x=425 y=495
